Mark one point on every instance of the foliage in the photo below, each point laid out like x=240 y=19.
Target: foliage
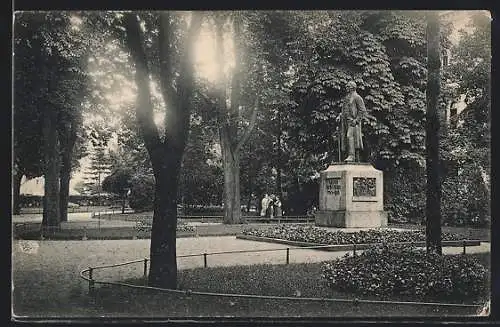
x=312 y=234
x=98 y=169
x=362 y=53
x=118 y=182
x=404 y=194
x=142 y=193
x=46 y=50
x=389 y=270
x=466 y=199
x=385 y=53
x=466 y=147
x=50 y=84
x=201 y=178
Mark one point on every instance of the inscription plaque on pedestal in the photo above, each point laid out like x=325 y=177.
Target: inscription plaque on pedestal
x=333 y=185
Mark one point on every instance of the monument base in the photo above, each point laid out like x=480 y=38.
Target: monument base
x=351 y=219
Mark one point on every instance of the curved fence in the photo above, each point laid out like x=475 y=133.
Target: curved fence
x=88 y=275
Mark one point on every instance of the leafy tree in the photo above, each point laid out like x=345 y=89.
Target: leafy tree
x=466 y=148
x=118 y=182
x=99 y=168
x=228 y=114
x=27 y=117
x=201 y=181
x=142 y=193
x=54 y=51
x=165 y=151
x=474 y=82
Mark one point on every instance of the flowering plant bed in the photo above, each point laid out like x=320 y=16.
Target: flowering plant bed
x=316 y=235
x=145 y=226
x=395 y=270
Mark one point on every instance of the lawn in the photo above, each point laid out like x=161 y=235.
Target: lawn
x=47 y=282
x=294 y=280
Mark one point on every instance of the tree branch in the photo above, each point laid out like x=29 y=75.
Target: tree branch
x=221 y=81
x=235 y=82
x=144 y=109
x=177 y=118
x=165 y=38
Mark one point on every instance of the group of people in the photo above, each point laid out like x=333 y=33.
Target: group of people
x=271 y=206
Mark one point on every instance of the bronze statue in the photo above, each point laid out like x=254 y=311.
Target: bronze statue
x=352 y=115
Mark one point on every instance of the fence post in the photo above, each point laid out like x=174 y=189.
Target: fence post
x=354 y=249
x=91 y=281
x=287 y=256
x=205 y=259
x=355 y=303
x=464 y=244
x=145 y=271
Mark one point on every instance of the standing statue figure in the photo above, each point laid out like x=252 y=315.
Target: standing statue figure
x=351 y=117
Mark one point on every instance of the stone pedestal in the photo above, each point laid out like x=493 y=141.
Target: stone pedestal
x=351 y=195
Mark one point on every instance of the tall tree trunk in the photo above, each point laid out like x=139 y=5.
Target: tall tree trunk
x=68 y=139
x=166 y=155
x=51 y=215
x=163 y=252
x=250 y=189
x=16 y=180
x=228 y=118
x=433 y=203
x=279 y=159
x=64 y=187
x=232 y=207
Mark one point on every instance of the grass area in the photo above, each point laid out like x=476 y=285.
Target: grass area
x=46 y=282
x=295 y=280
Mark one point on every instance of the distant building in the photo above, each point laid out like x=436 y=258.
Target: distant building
x=36 y=186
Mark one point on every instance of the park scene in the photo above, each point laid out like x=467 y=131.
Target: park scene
x=215 y=164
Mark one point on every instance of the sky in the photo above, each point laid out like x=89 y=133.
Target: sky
x=206 y=68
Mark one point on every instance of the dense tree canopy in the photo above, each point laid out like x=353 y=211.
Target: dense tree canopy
x=50 y=84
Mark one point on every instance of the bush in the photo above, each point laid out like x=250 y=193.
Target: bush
x=466 y=201
x=393 y=270
x=404 y=193
x=141 y=196
x=318 y=235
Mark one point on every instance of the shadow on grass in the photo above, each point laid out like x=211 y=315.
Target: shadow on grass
x=139 y=303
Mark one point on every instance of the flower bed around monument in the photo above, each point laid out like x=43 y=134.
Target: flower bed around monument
x=395 y=270
x=312 y=234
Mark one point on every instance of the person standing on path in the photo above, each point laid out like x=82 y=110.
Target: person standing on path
x=264 y=205
x=277 y=206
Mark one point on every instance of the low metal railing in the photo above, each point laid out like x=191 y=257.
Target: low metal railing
x=356 y=301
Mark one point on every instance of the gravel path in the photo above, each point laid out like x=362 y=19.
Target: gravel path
x=52 y=268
